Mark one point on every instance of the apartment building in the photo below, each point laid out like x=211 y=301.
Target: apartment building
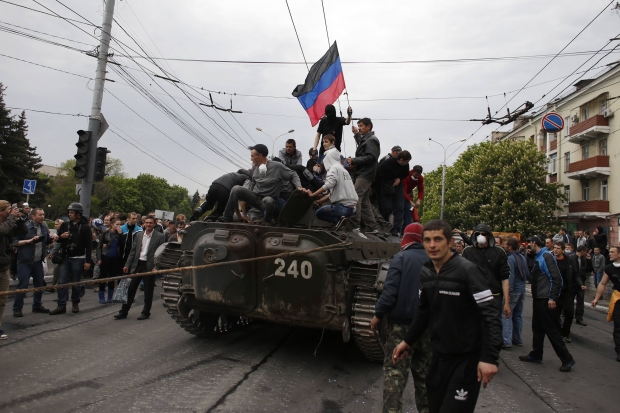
x=585 y=156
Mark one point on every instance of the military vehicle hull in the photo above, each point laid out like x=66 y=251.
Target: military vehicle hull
x=333 y=289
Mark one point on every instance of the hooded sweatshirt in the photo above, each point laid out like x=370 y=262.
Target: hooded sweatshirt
x=492 y=259
x=338 y=181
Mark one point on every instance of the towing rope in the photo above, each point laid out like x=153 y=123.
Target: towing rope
x=333 y=247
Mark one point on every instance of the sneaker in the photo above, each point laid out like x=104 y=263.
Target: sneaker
x=341 y=221
x=506 y=346
x=40 y=310
x=4 y=336
x=565 y=368
x=76 y=308
x=372 y=231
x=581 y=323
x=224 y=219
x=59 y=310
x=567 y=339
x=530 y=359
x=17 y=313
x=517 y=344
x=357 y=229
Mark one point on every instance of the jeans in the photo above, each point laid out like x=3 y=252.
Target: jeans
x=24 y=272
x=513 y=326
x=70 y=270
x=598 y=276
x=149 y=288
x=333 y=213
x=239 y=193
x=407 y=218
x=545 y=322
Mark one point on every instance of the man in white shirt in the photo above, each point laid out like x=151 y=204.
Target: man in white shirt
x=142 y=259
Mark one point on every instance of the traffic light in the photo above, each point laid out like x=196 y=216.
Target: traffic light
x=82 y=156
x=100 y=163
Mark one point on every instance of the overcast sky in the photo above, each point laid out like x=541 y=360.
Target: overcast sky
x=366 y=31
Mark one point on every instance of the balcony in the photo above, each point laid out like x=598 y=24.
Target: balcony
x=589 y=129
x=588 y=208
x=589 y=168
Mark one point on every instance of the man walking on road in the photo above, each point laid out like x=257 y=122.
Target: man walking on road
x=612 y=272
x=463 y=321
x=546 y=287
x=142 y=259
x=399 y=301
x=519 y=273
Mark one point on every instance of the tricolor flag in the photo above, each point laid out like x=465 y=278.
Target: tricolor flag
x=324 y=83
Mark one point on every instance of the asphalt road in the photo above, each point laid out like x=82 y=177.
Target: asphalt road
x=89 y=362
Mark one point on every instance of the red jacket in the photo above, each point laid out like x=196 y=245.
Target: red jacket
x=410 y=184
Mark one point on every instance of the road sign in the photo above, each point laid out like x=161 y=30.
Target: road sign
x=552 y=122
x=29 y=186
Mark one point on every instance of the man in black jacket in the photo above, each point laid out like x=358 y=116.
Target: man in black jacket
x=583 y=269
x=546 y=289
x=494 y=263
x=572 y=284
x=365 y=169
x=390 y=176
x=399 y=301
x=463 y=321
x=76 y=241
x=219 y=192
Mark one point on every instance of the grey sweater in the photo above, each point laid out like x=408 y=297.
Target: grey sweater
x=270 y=183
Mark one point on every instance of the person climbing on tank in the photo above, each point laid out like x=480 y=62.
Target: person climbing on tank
x=218 y=194
x=342 y=193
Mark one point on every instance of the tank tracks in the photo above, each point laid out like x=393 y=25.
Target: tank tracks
x=365 y=298
x=200 y=324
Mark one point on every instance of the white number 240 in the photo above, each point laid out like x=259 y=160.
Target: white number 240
x=306 y=269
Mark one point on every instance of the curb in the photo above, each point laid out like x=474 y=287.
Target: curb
x=599 y=308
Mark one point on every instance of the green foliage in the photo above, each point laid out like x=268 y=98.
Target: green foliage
x=18 y=160
x=502 y=185
x=196 y=199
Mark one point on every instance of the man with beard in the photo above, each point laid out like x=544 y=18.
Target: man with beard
x=331 y=124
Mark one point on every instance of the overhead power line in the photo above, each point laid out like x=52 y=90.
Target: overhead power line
x=296 y=34
x=49 y=14
x=45 y=111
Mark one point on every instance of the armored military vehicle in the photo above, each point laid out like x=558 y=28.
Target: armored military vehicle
x=333 y=289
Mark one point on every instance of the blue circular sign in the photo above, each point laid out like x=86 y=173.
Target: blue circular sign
x=552 y=122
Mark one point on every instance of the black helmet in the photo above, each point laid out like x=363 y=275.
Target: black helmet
x=77 y=207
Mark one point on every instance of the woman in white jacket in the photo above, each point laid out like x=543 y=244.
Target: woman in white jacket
x=339 y=184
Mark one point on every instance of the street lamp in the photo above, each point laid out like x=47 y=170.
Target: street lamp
x=443 y=178
x=273 y=140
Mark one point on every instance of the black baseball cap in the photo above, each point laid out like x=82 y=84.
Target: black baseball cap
x=538 y=240
x=260 y=148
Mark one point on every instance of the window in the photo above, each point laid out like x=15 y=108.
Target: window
x=585 y=151
x=566 y=161
x=585 y=191
x=567 y=192
x=604 y=190
x=553 y=164
x=585 y=112
x=603 y=105
x=602 y=147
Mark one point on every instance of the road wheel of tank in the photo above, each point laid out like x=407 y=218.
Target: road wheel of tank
x=363 y=312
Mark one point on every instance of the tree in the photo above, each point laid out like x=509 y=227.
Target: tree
x=18 y=160
x=153 y=192
x=502 y=185
x=196 y=199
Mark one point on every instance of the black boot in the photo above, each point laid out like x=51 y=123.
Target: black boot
x=59 y=310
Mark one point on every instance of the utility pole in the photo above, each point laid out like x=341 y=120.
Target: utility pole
x=443 y=177
x=94 y=121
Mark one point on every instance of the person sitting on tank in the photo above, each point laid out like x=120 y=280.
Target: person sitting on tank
x=289 y=155
x=263 y=188
x=218 y=194
x=342 y=193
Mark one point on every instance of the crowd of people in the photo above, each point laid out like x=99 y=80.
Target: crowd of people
x=447 y=330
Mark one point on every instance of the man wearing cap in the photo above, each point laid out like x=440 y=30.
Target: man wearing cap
x=393 y=154
x=262 y=189
x=546 y=288
x=399 y=301
x=76 y=242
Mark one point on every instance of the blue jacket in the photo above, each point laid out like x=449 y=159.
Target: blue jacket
x=25 y=253
x=517 y=282
x=400 y=298
x=546 y=277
